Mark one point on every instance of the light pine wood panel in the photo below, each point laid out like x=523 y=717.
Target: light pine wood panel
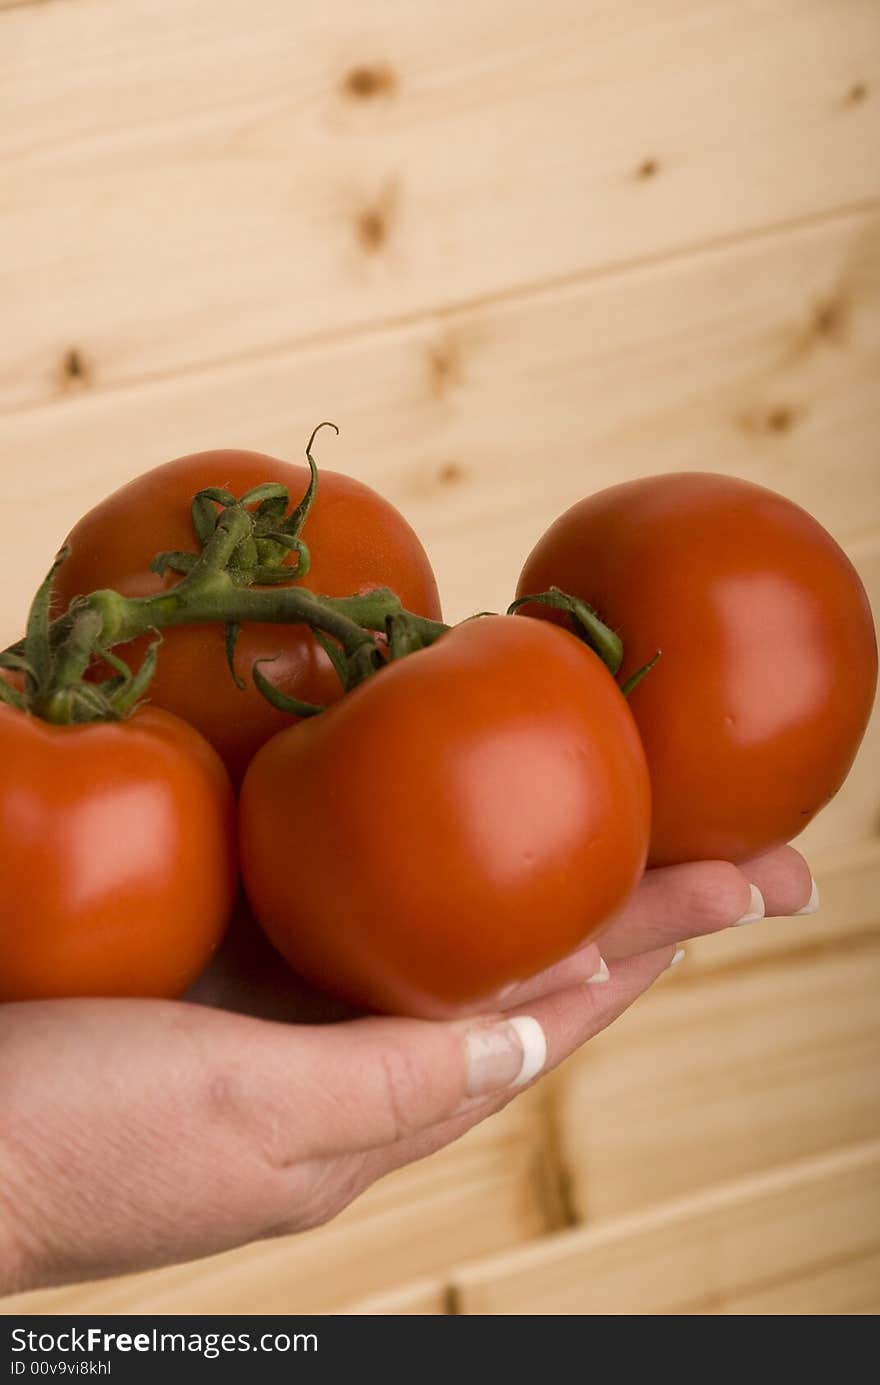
x=423 y=1297
x=760 y=359
x=849 y=895
x=698 y=1254
x=478 y=1196
x=186 y=182
x=715 y=1076
x=846 y=1289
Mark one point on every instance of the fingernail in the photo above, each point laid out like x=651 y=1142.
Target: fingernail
x=508 y=1054
x=757 y=909
x=601 y=976
x=677 y=956
x=812 y=904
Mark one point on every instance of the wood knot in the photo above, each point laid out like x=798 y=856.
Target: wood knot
x=445 y=366
x=372 y=229
x=74 y=369
x=779 y=419
x=829 y=319
x=648 y=168
x=367 y=81
x=450 y=473
x=374 y=222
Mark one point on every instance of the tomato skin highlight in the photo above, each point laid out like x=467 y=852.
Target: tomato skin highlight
x=356 y=538
x=466 y=817
x=117 y=856
x=753 y=715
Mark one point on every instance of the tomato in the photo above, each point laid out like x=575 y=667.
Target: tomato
x=117 y=856
x=753 y=714
x=357 y=540
x=465 y=817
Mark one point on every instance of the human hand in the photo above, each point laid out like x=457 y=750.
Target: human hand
x=142 y=1132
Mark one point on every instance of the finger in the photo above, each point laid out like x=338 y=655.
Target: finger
x=584 y=967
x=569 y=1019
x=674 y=903
x=380 y=1081
x=785 y=881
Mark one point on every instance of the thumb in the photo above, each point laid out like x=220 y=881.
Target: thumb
x=374 y=1082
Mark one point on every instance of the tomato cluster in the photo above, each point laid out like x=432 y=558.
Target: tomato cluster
x=467 y=804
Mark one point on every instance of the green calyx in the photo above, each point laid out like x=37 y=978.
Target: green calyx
x=263 y=548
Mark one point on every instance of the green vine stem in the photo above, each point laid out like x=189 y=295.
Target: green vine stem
x=235 y=577
x=587 y=625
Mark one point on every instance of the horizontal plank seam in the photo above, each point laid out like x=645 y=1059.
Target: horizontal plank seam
x=778 y=1281
x=842 y=944
x=513 y=296
x=715 y=1198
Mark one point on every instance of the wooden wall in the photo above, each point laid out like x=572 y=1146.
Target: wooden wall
x=517 y=251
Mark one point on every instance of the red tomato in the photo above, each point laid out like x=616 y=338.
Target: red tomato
x=464 y=818
x=117 y=856
x=753 y=715
x=357 y=540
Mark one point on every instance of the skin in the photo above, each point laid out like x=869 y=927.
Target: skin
x=143 y=1132
x=519 y=793
x=755 y=711
x=356 y=538
x=120 y=836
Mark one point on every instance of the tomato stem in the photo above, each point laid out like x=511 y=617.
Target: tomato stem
x=585 y=622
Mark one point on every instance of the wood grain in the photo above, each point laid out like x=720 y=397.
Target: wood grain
x=715 y=1076
x=207 y=181
x=849 y=1288
x=849 y=895
x=699 y=1254
x=423 y=1297
x=484 y=425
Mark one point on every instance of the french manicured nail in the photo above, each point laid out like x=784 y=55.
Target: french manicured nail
x=812 y=904
x=601 y=976
x=506 y=1054
x=756 y=910
x=677 y=956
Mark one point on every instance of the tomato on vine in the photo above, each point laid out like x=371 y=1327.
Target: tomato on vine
x=460 y=820
x=753 y=715
x=356 y=541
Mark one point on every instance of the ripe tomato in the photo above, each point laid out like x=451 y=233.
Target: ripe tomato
x=117 y=856
x=357 y=540
x=752 y=717
x=464 y=818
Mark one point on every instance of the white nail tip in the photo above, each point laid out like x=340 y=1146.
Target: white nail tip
x=812 y=904
x=601 y=976
x=757 y=909
x=534 y=1046
x=677 y=956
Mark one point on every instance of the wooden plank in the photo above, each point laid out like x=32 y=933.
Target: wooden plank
x=849 y=893
x=847 y=1289
x=484 y=426
x=207 y=181
x=715 y=1076
x=423 y=1297
x=697 y=1254
x=476 y=1197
